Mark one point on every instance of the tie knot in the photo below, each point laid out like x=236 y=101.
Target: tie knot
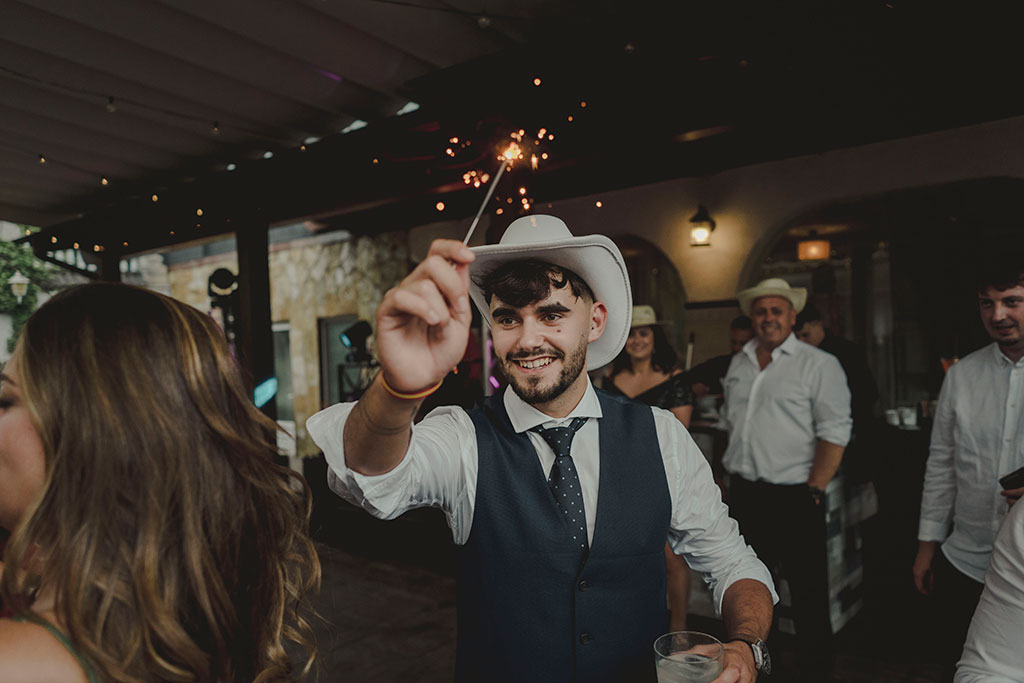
x=560 y=438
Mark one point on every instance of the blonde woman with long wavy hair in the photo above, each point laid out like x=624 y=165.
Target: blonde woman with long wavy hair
x=153 y=538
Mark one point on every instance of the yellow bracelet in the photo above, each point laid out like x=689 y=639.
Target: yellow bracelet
x=409 y=397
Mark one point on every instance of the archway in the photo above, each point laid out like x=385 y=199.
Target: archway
x=655 y=281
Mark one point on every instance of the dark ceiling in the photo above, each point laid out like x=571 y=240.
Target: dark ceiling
x=671 y=90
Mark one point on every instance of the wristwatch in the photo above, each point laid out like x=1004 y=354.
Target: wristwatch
x=762 y=661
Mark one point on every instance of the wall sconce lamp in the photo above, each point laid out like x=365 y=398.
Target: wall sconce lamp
x=701 y=227
x=813 y=249
x=19 y=285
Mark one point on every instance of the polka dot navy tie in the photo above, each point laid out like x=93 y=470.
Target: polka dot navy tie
x=564 y=481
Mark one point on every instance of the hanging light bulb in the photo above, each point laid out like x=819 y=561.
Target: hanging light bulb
x=111 y=105
x=104 y=181
x=42 y=159
x=215 y=130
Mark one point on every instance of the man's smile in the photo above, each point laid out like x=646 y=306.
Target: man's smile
x=534 y=363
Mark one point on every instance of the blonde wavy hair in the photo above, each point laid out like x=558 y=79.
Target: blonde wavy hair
x=175 y=548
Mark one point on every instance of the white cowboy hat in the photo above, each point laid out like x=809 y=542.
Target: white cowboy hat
x=774 y=286
x=644 y=315
x=595 y=258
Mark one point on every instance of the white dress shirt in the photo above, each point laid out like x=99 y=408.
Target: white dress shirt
x=775 y=416
x=440 y=470
x=976 y=439
x=993 y=651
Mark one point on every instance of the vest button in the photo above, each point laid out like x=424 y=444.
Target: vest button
x=586 y=638
x=583 y=585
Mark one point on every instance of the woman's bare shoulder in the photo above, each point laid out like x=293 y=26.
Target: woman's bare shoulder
x=31 y=654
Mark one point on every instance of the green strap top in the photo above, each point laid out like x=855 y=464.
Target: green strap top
x=63 y=639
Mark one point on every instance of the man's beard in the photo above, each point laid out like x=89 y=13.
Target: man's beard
x=572 y=365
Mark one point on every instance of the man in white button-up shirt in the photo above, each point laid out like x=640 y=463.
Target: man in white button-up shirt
x=977 y=438
x=787 y=407
x=556 y=304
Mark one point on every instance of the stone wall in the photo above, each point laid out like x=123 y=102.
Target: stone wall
x=310 y=278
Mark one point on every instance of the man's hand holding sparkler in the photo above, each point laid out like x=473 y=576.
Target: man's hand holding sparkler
x=423 y=323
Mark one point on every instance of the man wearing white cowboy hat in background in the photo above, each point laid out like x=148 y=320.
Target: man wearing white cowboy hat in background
x=556 y=583
x=787 y=408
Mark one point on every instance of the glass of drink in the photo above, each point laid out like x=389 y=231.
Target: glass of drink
x=688 y=657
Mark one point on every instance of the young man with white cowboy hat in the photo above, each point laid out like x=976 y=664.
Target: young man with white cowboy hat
x=555 y=582
x=787 y=408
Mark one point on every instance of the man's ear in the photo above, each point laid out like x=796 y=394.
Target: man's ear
x=598 y=320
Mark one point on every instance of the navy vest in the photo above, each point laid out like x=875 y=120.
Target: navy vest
x=527 y=610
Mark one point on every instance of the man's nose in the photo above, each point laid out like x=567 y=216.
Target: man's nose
x=531 y=335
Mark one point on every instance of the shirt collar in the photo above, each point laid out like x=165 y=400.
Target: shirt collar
x=789 y=346
x=1003 y=360
x=525 y=417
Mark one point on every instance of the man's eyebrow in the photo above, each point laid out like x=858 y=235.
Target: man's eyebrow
x=502 y=311
x=552 y=308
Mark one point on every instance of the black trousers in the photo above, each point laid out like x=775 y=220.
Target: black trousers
x=954 y=598
x=786 y=527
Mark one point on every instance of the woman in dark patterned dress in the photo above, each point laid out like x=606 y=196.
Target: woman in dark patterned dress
x=647 y=371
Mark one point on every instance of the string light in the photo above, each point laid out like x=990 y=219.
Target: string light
x=302 y=148
x=453 y=140
x=42 y=159
x=268 y=154
x=500 y=211
x=215 y=130
x=570 y=118
x=536 y=81
x=522 y=190
x=439 y=206
x=155 y=198
x=199 y=212
x=104 y=181
x=53 y=240
x=111 y=105
x=124 y=244
x=598 y=204
x=231 y=167
x=583 y=104
x=376 y=160
x=75 y=245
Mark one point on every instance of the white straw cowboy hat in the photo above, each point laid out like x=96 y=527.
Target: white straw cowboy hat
x=774 y=286
x=595 y=258
x=644 y=315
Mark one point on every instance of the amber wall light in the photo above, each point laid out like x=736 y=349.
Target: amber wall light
x=701 y=227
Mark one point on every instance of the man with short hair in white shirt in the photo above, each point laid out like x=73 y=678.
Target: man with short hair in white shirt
x=560 y=498
x=976 y=439
x=787 y=408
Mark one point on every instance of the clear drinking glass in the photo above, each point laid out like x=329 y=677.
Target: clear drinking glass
x=688 y=657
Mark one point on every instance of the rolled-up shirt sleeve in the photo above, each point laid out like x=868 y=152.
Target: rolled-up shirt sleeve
x=992 y=653
x=940 y=472
x=701 y=529
x=432 y=473
x=831 y=403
